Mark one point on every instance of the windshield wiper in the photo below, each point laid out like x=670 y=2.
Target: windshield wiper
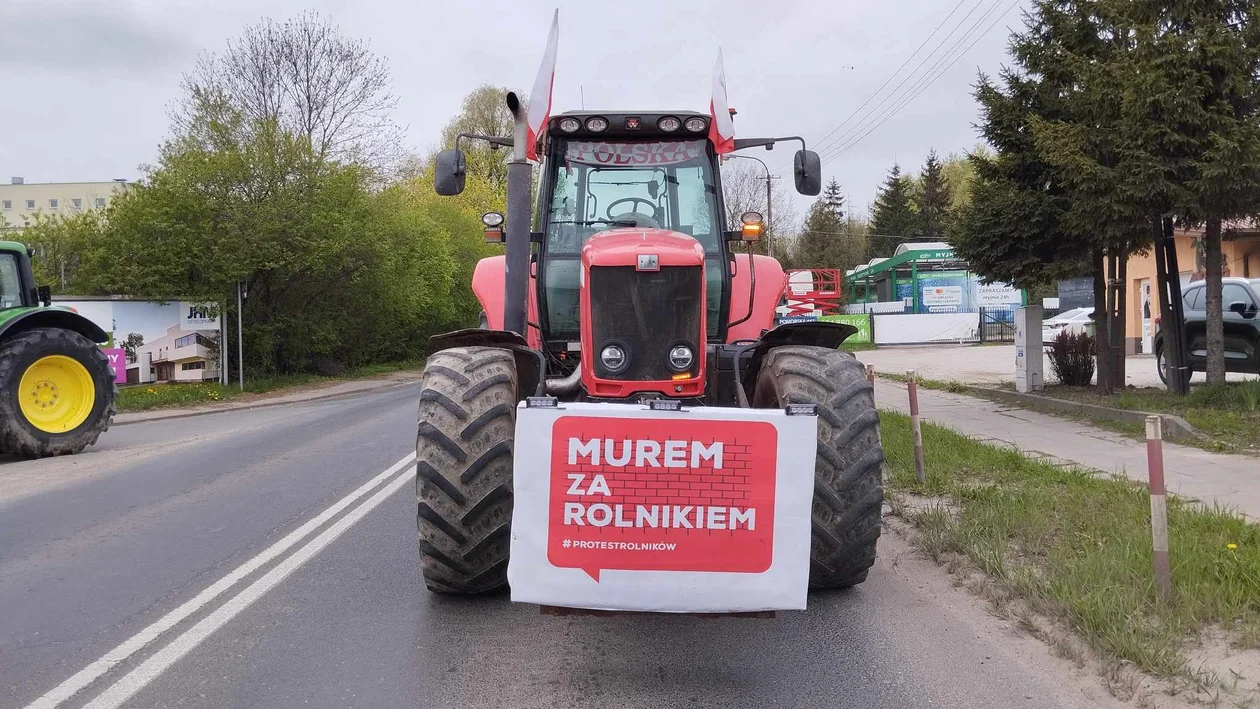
x=593 y=222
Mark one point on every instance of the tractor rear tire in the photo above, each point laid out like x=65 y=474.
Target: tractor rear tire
x=848 y=473
x=51 y=371
x=464 y=448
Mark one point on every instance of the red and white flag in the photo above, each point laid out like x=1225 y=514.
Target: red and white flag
x=721 y=128
x=540 y=99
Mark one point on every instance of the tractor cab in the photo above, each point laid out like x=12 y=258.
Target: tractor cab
x=645 y=172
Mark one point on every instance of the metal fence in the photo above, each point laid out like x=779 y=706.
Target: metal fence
x=997 y=324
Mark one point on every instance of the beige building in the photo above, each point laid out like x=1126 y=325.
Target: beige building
x=178 y=356
x=20 y=201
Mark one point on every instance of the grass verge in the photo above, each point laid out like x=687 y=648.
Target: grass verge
x=147 y=397
x=950 y=386
x=1076 y=547
x=1228 y=414
x=857 y=346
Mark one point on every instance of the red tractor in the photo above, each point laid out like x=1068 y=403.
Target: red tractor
x=626 y=289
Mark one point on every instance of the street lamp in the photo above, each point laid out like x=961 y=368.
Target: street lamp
x=769 y=205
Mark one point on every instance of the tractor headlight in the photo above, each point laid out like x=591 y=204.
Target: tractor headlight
x=570 y=125
x=597 y=124
x=669 y=124
x=696 y=124
x=681 y=358
x=614 y=359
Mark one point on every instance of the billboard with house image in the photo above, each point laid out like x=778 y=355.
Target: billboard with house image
x=158 y=341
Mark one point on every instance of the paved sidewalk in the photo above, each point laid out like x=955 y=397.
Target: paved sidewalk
x=1230 y=480
x=305 y=393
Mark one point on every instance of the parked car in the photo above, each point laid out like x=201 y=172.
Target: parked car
x=1078 y=320
x=1241 y=300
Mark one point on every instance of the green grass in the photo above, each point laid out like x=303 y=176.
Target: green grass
x=147 y=397
x=949 y=386
x=857 y=346
x=1228 y=414
x=1077 y=547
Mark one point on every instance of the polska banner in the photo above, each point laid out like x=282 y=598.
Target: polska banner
x=540 y=99
x=624 y=508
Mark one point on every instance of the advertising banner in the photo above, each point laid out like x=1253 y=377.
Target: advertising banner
x=118 y=362
x=160 y=341
x=861 y=322
x=621 y=508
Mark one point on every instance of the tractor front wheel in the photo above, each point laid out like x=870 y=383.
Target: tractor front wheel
x=464 y=469
x=848 y=474
x=57 y=393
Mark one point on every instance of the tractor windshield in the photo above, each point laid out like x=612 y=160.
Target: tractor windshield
x=603 y=185
x=10 y=282
x=598 y=185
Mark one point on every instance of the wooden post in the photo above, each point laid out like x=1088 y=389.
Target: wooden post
x=870 y=374
x=1159 y=511
x=913 y=387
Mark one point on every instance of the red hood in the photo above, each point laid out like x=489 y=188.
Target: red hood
x=622 y=246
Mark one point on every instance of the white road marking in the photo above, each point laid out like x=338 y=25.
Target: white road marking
x=135 y=643
x=149 y=670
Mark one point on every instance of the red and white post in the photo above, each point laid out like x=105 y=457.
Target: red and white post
x=913 y=387
x=1159 y=510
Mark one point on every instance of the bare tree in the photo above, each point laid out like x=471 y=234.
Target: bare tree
x=744 y=190
x=304 y=77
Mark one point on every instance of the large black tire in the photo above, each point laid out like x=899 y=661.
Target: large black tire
x=848 y=473
x=18 y=436
x=464 y=469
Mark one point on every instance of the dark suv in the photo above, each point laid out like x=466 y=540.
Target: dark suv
x=1241 y=298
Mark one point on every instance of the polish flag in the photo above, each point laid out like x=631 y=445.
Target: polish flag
x=540 y=98
x=721 y=128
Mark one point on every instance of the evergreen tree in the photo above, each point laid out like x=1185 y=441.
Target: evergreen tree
x=827 y=240
x=934 y=200
x=893 y=215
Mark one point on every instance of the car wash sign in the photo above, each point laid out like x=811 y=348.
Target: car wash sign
x=624 y=508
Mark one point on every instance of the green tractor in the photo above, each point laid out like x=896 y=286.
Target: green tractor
x=57 y=390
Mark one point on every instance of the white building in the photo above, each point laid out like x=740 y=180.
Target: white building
x=21 y=201
x=178 y=356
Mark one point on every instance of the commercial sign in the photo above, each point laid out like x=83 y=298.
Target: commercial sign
x=861 y=321
x=943 y=295
x=118 y=362
x=623 y=508
x=990 y=294
x=198 y=316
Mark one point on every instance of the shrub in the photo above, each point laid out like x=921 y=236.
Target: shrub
x=1072 y=358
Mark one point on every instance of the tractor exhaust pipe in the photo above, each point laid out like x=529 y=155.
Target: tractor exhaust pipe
x=516 y=262
x=566 y=386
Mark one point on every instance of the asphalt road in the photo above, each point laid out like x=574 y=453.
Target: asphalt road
x=267 y=558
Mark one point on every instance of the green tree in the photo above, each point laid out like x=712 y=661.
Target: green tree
x=934 y=198
x=893 y=215
x=1191 y=120
x=827 y=239
x=483 y=112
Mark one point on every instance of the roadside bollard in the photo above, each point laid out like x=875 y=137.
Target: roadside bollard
x=870 y=374
x=1159 y=510
x=913 y=387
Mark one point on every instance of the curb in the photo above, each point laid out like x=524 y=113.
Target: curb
x=1174 y=426
x=184 y=413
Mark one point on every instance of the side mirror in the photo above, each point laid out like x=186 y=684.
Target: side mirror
x=449 y=173
x=45 y=295
x=807 y=167
x=1239 y=307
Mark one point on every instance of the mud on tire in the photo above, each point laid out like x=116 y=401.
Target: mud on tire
x=464 y=469
x=848 y=477
x=17 y=435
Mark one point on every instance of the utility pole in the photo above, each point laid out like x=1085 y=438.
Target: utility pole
x=240 y=338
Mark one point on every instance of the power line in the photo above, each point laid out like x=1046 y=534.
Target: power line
x=926 y=82
x=824 y=146
x=894 y=74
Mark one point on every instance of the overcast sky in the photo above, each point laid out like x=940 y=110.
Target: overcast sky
x=86 y=83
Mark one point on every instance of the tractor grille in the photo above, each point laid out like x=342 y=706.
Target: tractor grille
x=647 y=313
